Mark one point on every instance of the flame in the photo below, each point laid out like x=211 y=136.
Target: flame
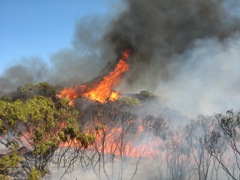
x=114 y=96
x=71 y=93
x=69 y=143
x=113 y=141
x=102 y=92
x=109 y=141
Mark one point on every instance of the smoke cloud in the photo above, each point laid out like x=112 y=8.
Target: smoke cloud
x=184 y=50
x=159 y=31
x=207 y=82
x=30 y=71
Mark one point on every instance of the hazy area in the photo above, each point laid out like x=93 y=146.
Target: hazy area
x=177 y=114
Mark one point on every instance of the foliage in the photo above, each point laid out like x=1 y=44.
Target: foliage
x=41 y=125
x=34 y=175
x=156 y=125
x=30 y=90
x=3 y=177
x=11 y=113
x=223 y=142
x=145 y=95
x=7 y=98
x=129 y=101
x=9 y=161
x=33 y=118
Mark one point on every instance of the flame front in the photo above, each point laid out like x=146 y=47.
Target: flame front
x=111 y=141
x=102 y=92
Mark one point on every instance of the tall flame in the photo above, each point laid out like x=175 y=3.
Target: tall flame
x=102 y=92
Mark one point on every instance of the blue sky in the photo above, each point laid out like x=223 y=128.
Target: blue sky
x=40 y=28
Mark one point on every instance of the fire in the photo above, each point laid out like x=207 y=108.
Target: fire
x=112 y=141
x=70 y=93
x=114 y=96
x=109 y=141
x=102 y=92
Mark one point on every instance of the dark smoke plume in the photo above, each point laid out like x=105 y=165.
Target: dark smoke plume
x=158 y=30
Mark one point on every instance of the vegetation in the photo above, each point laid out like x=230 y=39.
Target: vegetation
x=34 y=175
x=9 y=161
x=113 y=139
x=38 y=124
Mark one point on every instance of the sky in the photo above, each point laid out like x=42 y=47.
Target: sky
x=40 y=28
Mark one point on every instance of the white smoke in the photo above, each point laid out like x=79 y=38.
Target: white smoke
x=209 y=81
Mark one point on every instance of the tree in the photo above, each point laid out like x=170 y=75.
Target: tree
x=196 y=133
x=123 y=137
x=223 y=142
x=34 y=175
x=114 y=125
x=41 y=126
x=9 y=161
x=30 y=90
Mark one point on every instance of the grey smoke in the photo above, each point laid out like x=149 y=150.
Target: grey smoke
x=208 y=81
x=185 y=51
x=158 y=30
x=180 y=48
x=30 y=71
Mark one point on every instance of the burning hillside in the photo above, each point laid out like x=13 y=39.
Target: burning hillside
x=108 y=137
x=119 y=138
x=103 y=90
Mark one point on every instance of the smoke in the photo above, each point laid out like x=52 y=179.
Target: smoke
x=207 y=82
x=160 y=30
x=184 y=50
x=30 y=71
x=130 y=166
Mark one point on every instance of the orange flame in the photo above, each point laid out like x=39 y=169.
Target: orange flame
x=102 y=92
x=109 y=141
x=113 y=141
